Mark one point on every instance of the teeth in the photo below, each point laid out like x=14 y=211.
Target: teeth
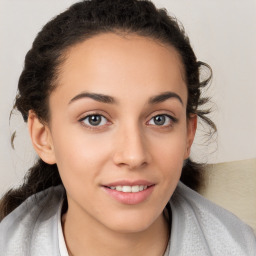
x=119 y=188
x=129 y=189
x=135 y=189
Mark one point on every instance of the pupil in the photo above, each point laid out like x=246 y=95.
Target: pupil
x=159 y=120
x=95 y=120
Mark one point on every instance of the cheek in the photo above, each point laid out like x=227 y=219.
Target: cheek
x=170 y=149
x=79 y=156
x=168 y=156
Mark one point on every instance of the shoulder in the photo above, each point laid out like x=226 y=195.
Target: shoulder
x=207 y=229
x=31 y=225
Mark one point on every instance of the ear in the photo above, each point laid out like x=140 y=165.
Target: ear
x=191 y=131
x=41 y=138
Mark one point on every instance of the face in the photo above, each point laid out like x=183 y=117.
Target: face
x=119 y=131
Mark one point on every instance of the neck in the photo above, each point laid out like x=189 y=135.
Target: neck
x=94 y=239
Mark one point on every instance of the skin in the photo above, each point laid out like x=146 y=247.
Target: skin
x=126 y=145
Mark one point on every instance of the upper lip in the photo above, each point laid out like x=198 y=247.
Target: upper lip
x=129 y=183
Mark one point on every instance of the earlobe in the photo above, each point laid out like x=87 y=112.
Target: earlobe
x=191 y=131
x=41 y=138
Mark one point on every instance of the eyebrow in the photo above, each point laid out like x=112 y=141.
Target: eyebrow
x=95 y=96
x=110 y=100
x=165 y=96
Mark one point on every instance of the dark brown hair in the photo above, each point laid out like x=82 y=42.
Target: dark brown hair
x=81 y=21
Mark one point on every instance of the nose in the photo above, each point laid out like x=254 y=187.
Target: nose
x=131 y=150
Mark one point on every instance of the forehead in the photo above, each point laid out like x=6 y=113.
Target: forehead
x=116 y=64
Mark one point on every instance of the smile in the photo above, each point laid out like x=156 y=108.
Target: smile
x=131 y=193
x=129 y=189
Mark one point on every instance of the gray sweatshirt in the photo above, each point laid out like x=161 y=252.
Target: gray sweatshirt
x=199 y=227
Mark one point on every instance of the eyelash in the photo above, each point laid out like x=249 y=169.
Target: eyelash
x=90 y=126
x=172 y=121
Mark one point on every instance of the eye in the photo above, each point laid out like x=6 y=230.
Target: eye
x=94 y=120
x=162 y=120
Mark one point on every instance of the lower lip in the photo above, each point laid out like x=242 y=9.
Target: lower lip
x=129 y=197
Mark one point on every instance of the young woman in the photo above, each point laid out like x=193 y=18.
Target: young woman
x=111 y=94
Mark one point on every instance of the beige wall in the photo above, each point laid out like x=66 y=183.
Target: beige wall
x=232 y=185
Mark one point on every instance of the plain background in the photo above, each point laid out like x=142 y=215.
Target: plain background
x=222 y=34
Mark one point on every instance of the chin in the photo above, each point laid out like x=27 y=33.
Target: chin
x=132 y=223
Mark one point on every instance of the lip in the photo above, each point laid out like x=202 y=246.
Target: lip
x=129 y=198
x=129 y=183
